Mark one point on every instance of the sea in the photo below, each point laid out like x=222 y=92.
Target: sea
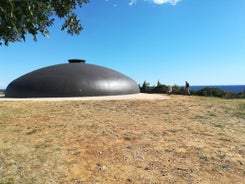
x=232 y=88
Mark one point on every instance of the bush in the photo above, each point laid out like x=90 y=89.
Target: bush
x=211 y=92
x=208 y=92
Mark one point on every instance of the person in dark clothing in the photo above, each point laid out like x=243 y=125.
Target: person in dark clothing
x=187 y=88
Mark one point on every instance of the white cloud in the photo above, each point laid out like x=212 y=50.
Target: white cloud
x=132 y=2
x=159 y=2
x=173 y=2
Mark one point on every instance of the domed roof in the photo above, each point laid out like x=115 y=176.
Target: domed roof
x=72 y=79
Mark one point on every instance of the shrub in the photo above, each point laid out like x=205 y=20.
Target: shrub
x=208 y=92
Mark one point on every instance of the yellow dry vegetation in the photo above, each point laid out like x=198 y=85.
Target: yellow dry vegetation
x=183 y=139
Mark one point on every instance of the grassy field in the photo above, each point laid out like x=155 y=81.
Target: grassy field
x=184 y=139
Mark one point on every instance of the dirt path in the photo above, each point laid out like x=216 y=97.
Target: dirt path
x=140 y=96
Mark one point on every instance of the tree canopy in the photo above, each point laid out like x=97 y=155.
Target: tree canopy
x=21 y=17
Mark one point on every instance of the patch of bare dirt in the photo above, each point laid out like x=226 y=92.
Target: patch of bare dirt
x=138 y=96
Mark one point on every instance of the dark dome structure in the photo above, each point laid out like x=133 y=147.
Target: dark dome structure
x=73 y=79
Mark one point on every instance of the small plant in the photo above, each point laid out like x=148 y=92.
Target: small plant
x=225 y=139
x=221 y=156
x=129 y=137
x=212 y=114
x=225 y=167
x=200 y=117
x=219 y=125
x=174 y=130
x=204 y=157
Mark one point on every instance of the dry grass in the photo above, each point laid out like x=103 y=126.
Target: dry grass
x=179 y=140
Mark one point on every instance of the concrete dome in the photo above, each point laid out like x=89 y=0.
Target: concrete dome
x=72 y=79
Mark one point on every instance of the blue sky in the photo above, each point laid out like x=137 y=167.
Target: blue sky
x=201 y=41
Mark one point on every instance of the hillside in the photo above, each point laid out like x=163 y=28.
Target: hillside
x=183 y=139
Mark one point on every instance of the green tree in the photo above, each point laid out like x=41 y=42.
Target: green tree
x=160 y=88
x=21 y=17
x=145 y=88
x=177 y=89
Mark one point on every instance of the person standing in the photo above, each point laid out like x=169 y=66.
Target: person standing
x=187 y=88
x=170 y=89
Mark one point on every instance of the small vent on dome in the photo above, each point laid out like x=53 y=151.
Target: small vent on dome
x=76 y=61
